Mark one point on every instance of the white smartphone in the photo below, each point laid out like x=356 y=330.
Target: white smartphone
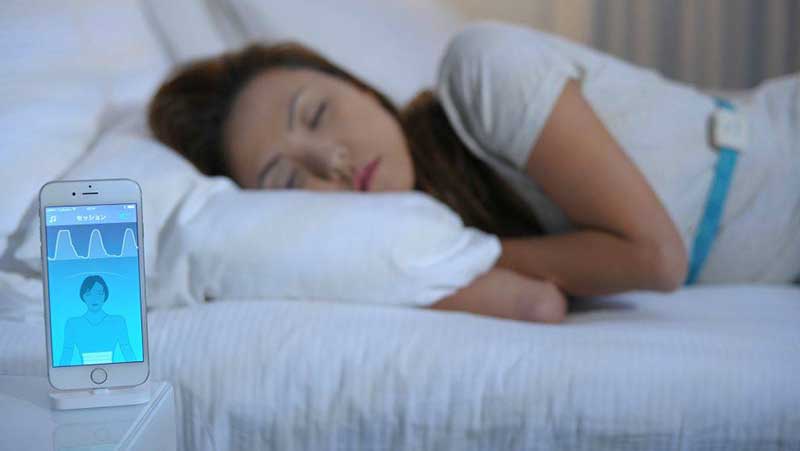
x=94 y=283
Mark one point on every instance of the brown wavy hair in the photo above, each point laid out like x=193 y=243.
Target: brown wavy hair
x=189 y=111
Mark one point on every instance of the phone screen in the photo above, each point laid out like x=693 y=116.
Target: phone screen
x=93 y=279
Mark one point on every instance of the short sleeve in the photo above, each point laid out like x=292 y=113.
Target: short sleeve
x=498 y=84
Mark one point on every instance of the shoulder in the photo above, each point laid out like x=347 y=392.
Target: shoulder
x=497 y=83
x=498 y=61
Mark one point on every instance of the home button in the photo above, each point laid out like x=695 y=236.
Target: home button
x=98 y=375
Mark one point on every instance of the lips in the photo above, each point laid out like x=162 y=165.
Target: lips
x=363 y=178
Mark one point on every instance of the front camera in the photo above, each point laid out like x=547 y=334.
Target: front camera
x=73 y=194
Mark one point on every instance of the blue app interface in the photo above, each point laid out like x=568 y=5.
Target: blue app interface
x=93 y=278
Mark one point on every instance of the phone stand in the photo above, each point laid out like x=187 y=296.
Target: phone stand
x=99 y=397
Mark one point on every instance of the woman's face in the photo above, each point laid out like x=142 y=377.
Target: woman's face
x=301 y=128
x=95 y=297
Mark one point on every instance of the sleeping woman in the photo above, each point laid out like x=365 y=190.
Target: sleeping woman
x=598 y=176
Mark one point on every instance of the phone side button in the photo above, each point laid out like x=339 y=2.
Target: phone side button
x=98 y=375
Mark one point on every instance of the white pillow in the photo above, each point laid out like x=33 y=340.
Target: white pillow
x=396 y=249
x=42 y=132
x=205 y=238
x=66 y=62
x=20 y=298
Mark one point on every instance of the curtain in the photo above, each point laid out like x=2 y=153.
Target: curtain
x=719 y=44
x=726 y=44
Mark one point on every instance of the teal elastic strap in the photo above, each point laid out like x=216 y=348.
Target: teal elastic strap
x=715 y=204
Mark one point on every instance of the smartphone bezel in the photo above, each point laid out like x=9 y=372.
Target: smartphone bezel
x=106 y=191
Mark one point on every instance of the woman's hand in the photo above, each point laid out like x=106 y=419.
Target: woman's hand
x=506 y=294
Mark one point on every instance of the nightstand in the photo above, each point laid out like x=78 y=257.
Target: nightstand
x=27 y=421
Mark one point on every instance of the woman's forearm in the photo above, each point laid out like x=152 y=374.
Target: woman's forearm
x=504 y=293
x=588 y=262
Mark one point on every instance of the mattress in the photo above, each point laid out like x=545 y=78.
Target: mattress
x=702 y=368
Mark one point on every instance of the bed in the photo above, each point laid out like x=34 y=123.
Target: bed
x=705 y=368
x=701 y=368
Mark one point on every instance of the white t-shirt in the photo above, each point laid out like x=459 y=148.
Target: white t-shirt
x=498 y=84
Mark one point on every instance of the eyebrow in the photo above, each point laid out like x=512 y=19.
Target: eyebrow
x=293 y=106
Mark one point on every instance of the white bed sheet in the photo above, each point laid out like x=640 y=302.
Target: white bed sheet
x=703 y=368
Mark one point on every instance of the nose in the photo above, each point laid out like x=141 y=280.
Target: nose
x=325 y=159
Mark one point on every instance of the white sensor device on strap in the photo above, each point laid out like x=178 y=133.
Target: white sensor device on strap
x=729 y=135
x=729 y=130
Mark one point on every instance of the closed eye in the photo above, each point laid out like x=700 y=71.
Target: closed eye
x=315 y=120
x=277 y=169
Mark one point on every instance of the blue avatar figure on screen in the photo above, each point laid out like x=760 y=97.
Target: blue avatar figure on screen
x=95 y=333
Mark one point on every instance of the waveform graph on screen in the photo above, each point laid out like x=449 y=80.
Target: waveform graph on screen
x=65 y=248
